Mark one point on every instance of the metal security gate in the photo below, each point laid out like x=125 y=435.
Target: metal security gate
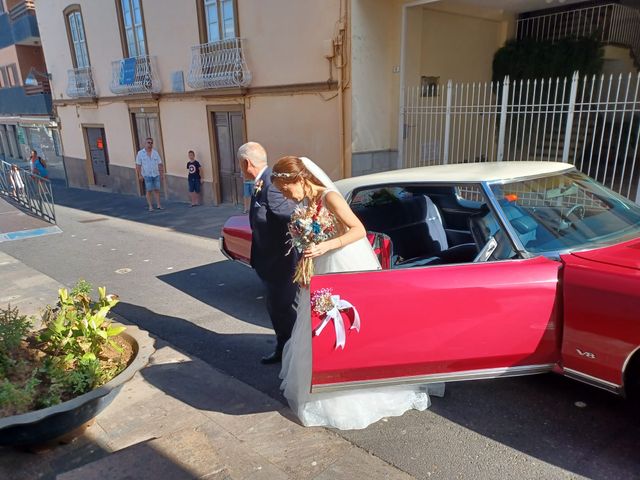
x=592 y=122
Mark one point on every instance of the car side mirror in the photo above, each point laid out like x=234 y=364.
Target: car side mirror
x=487 y=250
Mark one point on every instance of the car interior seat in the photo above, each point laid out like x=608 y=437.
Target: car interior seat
x=483 y=225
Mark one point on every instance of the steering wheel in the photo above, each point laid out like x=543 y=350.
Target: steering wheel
x=577 y=212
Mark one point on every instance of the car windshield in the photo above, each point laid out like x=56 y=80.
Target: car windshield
x=566 y=212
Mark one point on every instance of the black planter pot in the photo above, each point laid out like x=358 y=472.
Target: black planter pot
x=45 y=425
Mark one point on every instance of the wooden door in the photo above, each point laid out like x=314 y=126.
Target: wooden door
x=229 y=135
x=99 y=155
x=147 y=125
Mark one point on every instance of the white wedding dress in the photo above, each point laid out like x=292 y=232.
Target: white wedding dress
x=353 y=409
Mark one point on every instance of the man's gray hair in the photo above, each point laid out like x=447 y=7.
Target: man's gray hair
x=254 y=152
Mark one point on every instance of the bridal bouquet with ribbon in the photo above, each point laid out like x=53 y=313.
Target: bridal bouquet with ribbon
x=328 y=307
x=309 y=226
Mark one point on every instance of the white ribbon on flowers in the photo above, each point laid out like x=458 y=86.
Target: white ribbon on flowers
x=338 y=322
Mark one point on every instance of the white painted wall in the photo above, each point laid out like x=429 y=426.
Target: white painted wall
x=443 y=38
x=115 y=119
x=103 y=40
x=286 y=126
x=374 y=52
x=285 y=40
x=458 y=47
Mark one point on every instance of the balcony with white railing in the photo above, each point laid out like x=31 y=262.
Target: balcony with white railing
x=219 y=64
x=612 y=24
x=135 y=75
x=80 y=83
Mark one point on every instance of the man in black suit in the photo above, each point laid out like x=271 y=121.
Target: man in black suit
x=269 y=215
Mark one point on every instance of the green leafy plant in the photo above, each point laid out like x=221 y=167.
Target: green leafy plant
x=19 y=396
x=528 y=58
x=13 y=328
x=78 y=328
x=74 y=353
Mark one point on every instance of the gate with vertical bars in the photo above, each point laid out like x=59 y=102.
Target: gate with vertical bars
x=592 y=122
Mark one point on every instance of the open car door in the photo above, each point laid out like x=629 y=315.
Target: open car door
x=439 y=323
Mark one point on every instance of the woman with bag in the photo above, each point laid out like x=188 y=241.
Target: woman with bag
x=38 y=165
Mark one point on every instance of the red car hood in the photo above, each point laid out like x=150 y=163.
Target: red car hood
x=623 y=255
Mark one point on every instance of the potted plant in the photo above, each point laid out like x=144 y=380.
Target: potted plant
x=54 y=380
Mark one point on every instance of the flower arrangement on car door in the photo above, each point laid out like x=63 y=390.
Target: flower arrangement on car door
x=328 y=307
x=309 y=226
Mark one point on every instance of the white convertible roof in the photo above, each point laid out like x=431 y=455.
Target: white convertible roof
x=456 y=173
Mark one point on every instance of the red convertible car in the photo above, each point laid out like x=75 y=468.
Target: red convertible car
x=496 y=269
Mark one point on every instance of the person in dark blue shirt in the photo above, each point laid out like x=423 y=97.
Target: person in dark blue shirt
x=195 y=178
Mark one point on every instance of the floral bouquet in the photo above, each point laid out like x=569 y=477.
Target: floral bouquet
x=328 y=307
x=321 y=302
x=309 y=226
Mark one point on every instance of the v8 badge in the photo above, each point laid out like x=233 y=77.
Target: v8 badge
x=589 y=355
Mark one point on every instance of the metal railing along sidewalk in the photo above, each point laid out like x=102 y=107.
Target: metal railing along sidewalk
x=36 y=195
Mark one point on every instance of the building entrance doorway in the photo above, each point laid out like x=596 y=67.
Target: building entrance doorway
x=98 y=155
x=147 y=125
x=229 y=135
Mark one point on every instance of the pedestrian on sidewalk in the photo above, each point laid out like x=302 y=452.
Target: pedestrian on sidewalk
x=17 y=185
x=195 y=178
x=149 y=166
x=38 y=165
x=269 y=216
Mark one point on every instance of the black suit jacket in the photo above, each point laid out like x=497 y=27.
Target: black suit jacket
x=269 y=216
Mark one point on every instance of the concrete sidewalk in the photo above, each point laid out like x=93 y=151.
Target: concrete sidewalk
x=179 y=418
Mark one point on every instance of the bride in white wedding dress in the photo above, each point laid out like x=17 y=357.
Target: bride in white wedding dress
x=303 y=181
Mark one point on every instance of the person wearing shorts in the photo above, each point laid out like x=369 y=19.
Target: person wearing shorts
x=149 y=166
x=195 y=178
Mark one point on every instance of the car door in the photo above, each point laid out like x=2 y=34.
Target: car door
x=439 y=323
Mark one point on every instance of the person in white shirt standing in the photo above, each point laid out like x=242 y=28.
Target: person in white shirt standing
x=149 y=166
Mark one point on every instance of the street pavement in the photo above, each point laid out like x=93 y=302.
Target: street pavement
x=174 y=282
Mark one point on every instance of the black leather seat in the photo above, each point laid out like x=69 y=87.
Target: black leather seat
x=413 y=223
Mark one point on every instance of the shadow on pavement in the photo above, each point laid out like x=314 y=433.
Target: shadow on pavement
x=237 y=355
x=46 y=465
x=541 y=416
x=205 y=221
x=215 y=393
x=227 y=286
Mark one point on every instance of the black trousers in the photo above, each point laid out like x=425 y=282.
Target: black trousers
x=281 y=306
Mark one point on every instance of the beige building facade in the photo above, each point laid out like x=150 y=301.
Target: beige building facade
x=196 y=75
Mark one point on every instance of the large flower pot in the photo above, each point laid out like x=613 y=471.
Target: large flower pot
x=48 y=424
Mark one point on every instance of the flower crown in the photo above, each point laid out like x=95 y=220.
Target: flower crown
x=284 y=174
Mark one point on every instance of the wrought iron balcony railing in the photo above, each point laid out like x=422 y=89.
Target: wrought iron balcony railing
x=80 y=83
x=135 y=75
x=219 y=64
x=611 y=23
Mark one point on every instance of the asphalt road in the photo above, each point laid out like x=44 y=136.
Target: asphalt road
x=173 y=281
